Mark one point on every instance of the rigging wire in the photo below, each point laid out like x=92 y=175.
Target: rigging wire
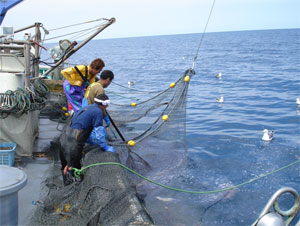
x=202 y=36
x=195 y=57
x=80 y=31
x=75 y=32
x=93 y=29
x=72 y=25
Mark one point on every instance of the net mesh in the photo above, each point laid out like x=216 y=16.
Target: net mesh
x=158 y=142
x=94 y=200
x=107 y=195
x=53 y=109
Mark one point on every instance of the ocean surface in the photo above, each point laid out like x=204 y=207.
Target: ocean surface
x=260 y=83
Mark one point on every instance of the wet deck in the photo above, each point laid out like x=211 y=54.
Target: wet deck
x=36 y=169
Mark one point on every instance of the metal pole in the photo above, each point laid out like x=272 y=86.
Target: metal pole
x=73 y=50
x=25 y=28
x=37 y=40
x=27 y=63
x=22 y=29
x=115 y=126
x=19 y=42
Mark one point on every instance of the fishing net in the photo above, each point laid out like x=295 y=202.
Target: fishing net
x=152 y=129
x=95 y=200
x=148 y=136
x=55 y=108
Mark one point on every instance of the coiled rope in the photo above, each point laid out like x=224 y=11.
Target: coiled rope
x=22 y=101
x=78 y=172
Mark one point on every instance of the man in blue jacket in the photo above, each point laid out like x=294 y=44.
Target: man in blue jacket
x=87 y=126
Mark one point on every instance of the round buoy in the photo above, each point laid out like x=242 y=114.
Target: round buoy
x=131 y=143
x=133 y=104
x=64 y=108
x=165 y=117
x=172 y=85
x=67 y=114
x=67 y=207
x=187 y=78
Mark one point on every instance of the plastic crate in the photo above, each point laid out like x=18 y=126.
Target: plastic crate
x=7 y=157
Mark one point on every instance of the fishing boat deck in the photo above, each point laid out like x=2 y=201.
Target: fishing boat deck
x=36 y=169
x=28 y=196
x=39 y=167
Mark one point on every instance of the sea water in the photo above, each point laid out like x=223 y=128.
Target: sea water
x=260 y=83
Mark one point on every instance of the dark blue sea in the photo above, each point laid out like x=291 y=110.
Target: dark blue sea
x=260 y=83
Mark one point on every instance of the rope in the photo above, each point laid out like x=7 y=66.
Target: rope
x=72 y=33
x=77 y=24
x=93 y=29
x=22 y=101
x=125 y=97
x=157 y=95
x=78 y=172
x=156 y=125
x=137 y=90
x=79 y=33
x=202 y=36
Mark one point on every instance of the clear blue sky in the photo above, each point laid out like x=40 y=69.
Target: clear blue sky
x=159 y=17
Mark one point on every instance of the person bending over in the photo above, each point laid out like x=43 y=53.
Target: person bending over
x=86 y=127
x=77 y=79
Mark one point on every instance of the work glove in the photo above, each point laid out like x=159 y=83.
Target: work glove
x=84 y=102
x=68 y=176
x=109 y=148
x=107 y=121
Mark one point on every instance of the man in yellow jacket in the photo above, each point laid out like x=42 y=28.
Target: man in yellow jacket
x=77 y=79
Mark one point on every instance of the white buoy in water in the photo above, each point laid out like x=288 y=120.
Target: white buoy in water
x=298 y=101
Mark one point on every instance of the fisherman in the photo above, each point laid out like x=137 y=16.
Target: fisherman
x=77 y=79
x=86 y=127
x=96 y=89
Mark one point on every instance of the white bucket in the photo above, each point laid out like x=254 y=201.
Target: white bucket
x=11 y=181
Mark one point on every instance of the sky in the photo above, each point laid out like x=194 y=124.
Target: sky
x=158 y=17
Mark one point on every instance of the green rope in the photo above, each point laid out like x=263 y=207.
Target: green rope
x=78 y=172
